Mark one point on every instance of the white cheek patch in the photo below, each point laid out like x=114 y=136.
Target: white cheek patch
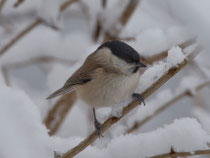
x=121 y=64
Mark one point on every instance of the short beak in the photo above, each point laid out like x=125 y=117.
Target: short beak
x=141 y=65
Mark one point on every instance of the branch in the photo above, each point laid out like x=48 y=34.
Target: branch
x=59 y=111
x=98 y=27
x=177 y=97
x=123 y=20
x=2 y=3
x=34 y=24
x=164 y=54
x=18 y=3
x=177 y=154
x=36 y=60
x=112 y=120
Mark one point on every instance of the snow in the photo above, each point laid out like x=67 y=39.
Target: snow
x=28 y=136
x=153 y=73
x=156 y=25
x=151 y=106
x=175 y=56
x=22 y=133
x=203 y=117
x=49 y=12
x=184 y=135
x=190 y=83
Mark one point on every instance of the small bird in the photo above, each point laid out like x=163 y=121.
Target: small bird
x=109 y=76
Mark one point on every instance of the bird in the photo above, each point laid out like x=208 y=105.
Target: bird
x=108 y=76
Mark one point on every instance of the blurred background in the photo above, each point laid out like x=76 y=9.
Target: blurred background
x=42 y=42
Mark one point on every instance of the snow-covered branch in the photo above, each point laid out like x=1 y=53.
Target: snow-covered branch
x=183 y=154
x=33 y=25
x=124 y=18
x=167 y=104
x=150 y=90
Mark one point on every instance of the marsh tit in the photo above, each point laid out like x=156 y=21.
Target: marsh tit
x=109 y=76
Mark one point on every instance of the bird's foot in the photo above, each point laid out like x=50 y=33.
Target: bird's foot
x=97 y=124
x=138 y=97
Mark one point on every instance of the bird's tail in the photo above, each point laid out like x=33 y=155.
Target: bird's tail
x=60 y=91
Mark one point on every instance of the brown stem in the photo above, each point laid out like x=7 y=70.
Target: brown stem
x=182 y=154
x=177 y=97
x=59 y=111
x=18 y=2
x=112 y=120
x=2 y=3
x=20 y=35
x=123 y=20
x=31 y=27
x=98 y=27
x=36 y=60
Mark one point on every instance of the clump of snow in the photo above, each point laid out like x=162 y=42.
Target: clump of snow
x=49 y=12
x=175 y=56
x=204 y=118
x=184 y=135
x=190 y=83
x=153 y=73
x=22 y=133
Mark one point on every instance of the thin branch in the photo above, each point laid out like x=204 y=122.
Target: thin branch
x=34 y=24
x=36 y=60
x=123 y=20
x=2 y=3
x=18 y=2
x=182 y=154
x=112 y=120
x=20 y=35
x=104 y=3
x=59 y=111
x=177 y=97
x=98 y=27
x=66 y=4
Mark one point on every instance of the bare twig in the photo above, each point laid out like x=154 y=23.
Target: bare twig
x=112 y=120
x=98 y=27
x=59 y=111
x=182 y=154
x=177 y=97
x=36 y=60
x=104 y=3
x=20 y=35
x=31 y=27
x=18 y=2
x=124 y=18
x=2 y=3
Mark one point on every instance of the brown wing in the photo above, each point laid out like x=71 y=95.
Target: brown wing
x=84 y=74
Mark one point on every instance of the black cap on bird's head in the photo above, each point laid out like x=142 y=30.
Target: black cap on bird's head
x=123 y=51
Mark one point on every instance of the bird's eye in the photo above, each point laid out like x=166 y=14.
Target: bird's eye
x=135 y=69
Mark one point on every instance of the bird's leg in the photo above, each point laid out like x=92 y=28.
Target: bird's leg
x=97 y=124
x=138 y=97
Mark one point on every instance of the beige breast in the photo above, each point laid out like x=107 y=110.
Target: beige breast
x=109 y=90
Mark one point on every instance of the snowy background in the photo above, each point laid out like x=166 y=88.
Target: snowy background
x=41 y=61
